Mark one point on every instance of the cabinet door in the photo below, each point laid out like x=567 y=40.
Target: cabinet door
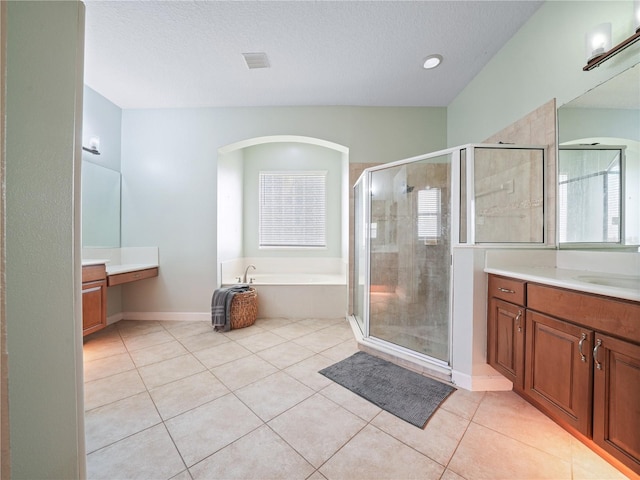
x=616 y=399
x=505 y=340
x=558 y=370
x=94 y=306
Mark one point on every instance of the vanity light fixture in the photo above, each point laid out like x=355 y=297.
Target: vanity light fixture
x=94 y=144
x=636 y=14
x=598 y=41
x=432 y=61
x=598 y=48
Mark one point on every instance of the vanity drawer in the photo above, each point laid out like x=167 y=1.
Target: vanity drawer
x=507 y=289
x=92 y=273
x=134 y=276
x=604 y=314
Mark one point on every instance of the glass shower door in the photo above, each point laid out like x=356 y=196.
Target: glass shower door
x=359 y=283
x=410 y=263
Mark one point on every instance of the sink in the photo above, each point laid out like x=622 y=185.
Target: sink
x=619 y=281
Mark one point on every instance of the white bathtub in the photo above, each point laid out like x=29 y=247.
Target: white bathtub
x=295 y=287
x=296 y=279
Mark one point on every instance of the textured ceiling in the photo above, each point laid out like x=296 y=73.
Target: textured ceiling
x=155 y=54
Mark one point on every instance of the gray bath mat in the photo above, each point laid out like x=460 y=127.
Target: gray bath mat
x=401 y=392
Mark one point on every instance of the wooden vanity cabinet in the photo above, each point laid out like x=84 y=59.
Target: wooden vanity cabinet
x=558 y=370
x=581 y=362
x=134 y=276
x=616 y=399
x=94 y=298
x=506 y=328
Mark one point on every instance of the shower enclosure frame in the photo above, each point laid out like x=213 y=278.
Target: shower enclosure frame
x=361 y=325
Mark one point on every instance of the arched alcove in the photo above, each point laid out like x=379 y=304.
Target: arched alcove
x=282 y=139
x=238 y=166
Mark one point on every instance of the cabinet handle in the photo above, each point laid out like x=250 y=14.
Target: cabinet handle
x=517 y=320
x=506 y=290
x=595 y=354
x=583 y=337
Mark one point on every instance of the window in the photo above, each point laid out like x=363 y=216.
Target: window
x=292 y=209
x=429 y=214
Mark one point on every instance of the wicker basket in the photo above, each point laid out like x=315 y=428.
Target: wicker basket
x=244 y=309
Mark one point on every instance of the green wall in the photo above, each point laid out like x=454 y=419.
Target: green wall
x=574 y=123
x=170 y=168
x=543 y=60
x=44 y=339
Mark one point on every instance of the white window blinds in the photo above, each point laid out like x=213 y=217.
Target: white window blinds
x=292 y=209
x=429 y=213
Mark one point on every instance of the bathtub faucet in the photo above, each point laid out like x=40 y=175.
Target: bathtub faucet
x=244 y=279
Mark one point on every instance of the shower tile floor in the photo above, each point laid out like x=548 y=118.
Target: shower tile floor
x=176 y=400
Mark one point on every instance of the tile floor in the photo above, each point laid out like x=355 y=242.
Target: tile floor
x=176 y=400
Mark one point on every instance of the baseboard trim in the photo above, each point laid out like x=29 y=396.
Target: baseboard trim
x=163 y=316
x=114 y=318
x=481 y=383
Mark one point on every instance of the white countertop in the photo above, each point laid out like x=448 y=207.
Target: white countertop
x=116 y=269
x=122 y=260
x=601 y=283
x=128 y=267
x=91 y=261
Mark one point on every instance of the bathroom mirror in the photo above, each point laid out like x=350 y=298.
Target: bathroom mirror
x=100 y=206
x=599 y=166
x=590 y=190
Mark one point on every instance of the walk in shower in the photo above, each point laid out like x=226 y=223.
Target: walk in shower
x=408 y=217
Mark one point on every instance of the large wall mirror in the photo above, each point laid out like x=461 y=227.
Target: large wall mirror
x=599 y=166
x=100 y=206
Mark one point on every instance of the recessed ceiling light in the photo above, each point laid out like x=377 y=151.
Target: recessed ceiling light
x=432 y=61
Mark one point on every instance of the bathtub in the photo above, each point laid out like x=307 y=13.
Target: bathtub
x=293 y=287
x=296 y=279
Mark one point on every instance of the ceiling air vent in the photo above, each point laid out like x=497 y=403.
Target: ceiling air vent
x=256 y=60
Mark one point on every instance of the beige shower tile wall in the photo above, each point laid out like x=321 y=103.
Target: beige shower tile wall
x=385 y=276
x=509 y=196
x=538 y=128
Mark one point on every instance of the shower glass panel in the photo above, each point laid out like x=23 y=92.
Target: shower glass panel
x=359 y=282
x=412 y=216
x=410 y=256
x=462 y=238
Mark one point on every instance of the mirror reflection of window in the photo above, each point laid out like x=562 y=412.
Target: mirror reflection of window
x=589 y=194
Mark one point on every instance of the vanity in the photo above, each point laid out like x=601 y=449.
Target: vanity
x=94 y=297
x=106 y=268
x=569 y=340
x=110 y=267
x=563 y=322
